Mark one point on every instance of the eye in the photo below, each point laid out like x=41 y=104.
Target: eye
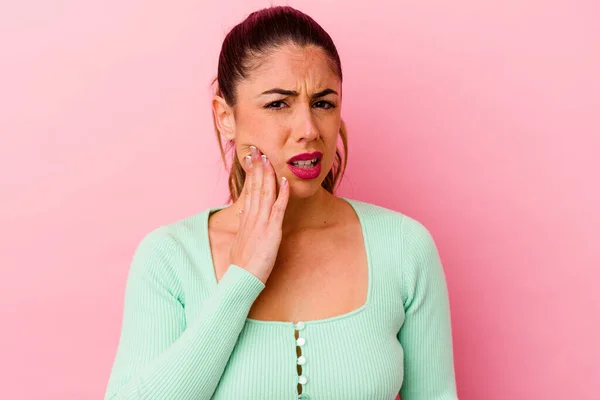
x=277 y=105
x=324 y=104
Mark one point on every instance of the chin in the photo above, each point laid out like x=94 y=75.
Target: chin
x=306 y=182
x=305 y=190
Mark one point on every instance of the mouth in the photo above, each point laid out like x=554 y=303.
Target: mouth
x=307 y=165
x=306 y=160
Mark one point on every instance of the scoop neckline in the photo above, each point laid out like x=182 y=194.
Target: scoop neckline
x=356 y=207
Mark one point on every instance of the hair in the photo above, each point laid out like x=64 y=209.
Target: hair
x=263 y=31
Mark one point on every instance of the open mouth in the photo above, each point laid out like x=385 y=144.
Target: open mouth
x=305 y=164
x=306 y=169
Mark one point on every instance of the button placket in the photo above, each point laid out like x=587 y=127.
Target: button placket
x=301 y=358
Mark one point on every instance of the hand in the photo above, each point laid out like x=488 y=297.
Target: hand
x=256 y=244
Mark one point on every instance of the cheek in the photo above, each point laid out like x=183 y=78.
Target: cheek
x=258 y=128
x=331 y=137
x=268 y=137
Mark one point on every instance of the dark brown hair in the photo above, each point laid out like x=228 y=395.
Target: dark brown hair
x=260 y=32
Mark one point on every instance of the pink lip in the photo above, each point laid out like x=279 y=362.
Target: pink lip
x=306 y=156
x=306 y=173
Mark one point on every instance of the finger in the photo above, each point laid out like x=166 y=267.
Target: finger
x=278 y=209
x=255 y=183
x=268 y=189
x=246 y=189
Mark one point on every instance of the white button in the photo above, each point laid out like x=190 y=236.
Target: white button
x=301 y=360
x=302 y=379
x=300 y=341
x=300 y=326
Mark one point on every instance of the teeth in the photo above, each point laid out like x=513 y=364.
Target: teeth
x=305 y=164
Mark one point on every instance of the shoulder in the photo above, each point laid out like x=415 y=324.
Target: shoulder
x=168 y=243
x=386 y=222
x=404 y=240
x=405 y=243
x=180 y=232
x=163 y=252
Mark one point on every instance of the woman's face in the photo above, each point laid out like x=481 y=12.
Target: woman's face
x=290 y=104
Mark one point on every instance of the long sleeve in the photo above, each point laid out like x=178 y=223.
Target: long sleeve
x=426 y=335
x=161 y=355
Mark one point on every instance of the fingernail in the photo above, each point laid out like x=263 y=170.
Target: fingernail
x=264 y=159
x=248 y=161
x=283 y=181
x=253 y=151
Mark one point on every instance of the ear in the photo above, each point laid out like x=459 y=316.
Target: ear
x=224 y=118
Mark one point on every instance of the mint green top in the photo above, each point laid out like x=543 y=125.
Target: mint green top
x=184 y=336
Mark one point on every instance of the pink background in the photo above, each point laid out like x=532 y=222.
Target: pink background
x=481 y=119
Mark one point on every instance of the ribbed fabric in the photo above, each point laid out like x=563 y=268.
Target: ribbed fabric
x=184 y=336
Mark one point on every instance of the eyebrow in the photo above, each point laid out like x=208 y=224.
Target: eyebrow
x=284 y=92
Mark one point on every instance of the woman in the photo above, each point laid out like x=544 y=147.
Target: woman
x=289 y=291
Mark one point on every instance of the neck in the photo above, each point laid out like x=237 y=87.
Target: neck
x=310 y=212
x=303 y=213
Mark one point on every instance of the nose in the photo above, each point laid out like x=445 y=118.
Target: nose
x=306 y=129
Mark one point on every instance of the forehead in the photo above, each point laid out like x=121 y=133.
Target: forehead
x=293 y=67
